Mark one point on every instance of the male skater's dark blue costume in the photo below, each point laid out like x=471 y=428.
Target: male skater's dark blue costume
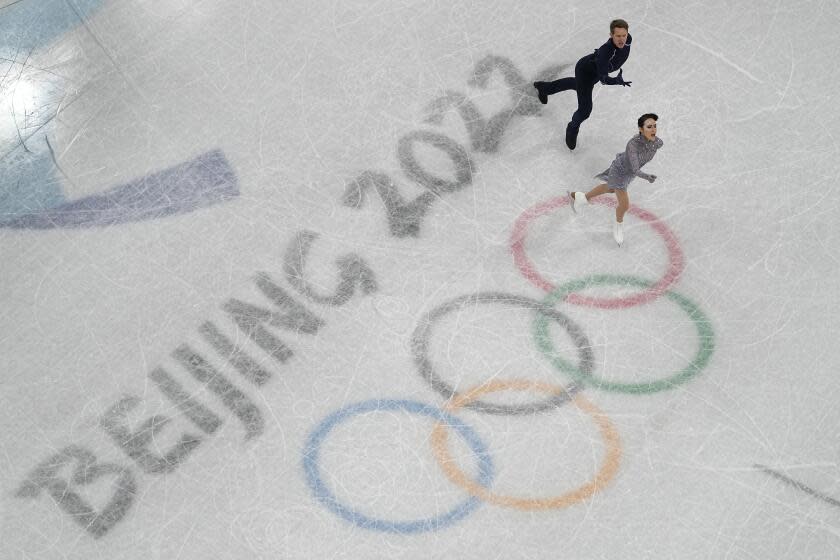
x=589 y=70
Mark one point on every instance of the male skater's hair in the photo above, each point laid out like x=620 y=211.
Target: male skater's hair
x=647 y=116
x=618 y=23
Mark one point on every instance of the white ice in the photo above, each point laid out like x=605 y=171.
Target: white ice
x=306 y=104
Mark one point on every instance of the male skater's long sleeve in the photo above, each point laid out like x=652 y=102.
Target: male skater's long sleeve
x=608 y=59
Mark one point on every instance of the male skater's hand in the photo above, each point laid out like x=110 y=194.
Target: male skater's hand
x=651 y=178
x=621 y=80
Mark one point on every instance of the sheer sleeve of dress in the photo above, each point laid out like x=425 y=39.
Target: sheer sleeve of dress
x=634 y=159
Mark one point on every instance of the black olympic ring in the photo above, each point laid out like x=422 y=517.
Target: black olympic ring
x=422 y=334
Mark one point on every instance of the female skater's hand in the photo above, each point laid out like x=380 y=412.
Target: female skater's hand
x=651 y=178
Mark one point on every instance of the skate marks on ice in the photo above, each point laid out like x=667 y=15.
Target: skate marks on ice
x=261 y=326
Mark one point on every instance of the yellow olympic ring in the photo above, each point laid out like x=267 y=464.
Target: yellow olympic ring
x=604 y=475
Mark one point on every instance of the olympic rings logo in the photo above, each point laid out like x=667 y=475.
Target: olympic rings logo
x=446 y=421
x=404 y=217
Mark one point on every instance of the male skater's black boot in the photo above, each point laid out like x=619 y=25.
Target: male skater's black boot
x=571 y=136
x=540 y=95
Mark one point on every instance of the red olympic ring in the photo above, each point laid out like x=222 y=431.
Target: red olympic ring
x=676 y=262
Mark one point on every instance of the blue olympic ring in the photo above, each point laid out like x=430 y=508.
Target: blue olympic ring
x=326 y=496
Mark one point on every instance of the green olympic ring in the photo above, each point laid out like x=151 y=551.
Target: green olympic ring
x=704 y=331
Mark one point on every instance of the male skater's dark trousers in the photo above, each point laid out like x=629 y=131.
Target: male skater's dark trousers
x=583 y=83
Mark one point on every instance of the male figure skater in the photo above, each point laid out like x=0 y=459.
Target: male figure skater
x=589 y=70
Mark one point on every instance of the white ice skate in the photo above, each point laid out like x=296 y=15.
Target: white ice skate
x=578 y=200
x=618 y=233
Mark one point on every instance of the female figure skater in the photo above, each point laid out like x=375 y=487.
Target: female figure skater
x=626 y=165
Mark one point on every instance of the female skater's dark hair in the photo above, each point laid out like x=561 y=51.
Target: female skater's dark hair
x=647 y=116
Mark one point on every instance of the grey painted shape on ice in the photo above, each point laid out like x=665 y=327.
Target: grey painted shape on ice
x=352 y=269
x=199 y=414
x=136 y=443
x=486 y=134
x=237 y=401
x=248 y=318
x=473 y=121
x=414 y=171
x=295 y=316
x=420 y=342
x=229 y=350
x=292 y=316
x=203 y=181
x=87 y=471
x=799 y=485
x=523 y=101
x=404 y=218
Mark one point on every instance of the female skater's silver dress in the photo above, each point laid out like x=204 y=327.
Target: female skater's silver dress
x=628 y=164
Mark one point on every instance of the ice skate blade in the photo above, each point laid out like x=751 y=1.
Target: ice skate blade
x=618 y=234
x=578 y=200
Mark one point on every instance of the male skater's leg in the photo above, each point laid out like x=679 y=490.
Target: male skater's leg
x=544 y=89
x=584 y=95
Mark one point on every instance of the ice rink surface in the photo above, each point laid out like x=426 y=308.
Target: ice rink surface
x=297 y=280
